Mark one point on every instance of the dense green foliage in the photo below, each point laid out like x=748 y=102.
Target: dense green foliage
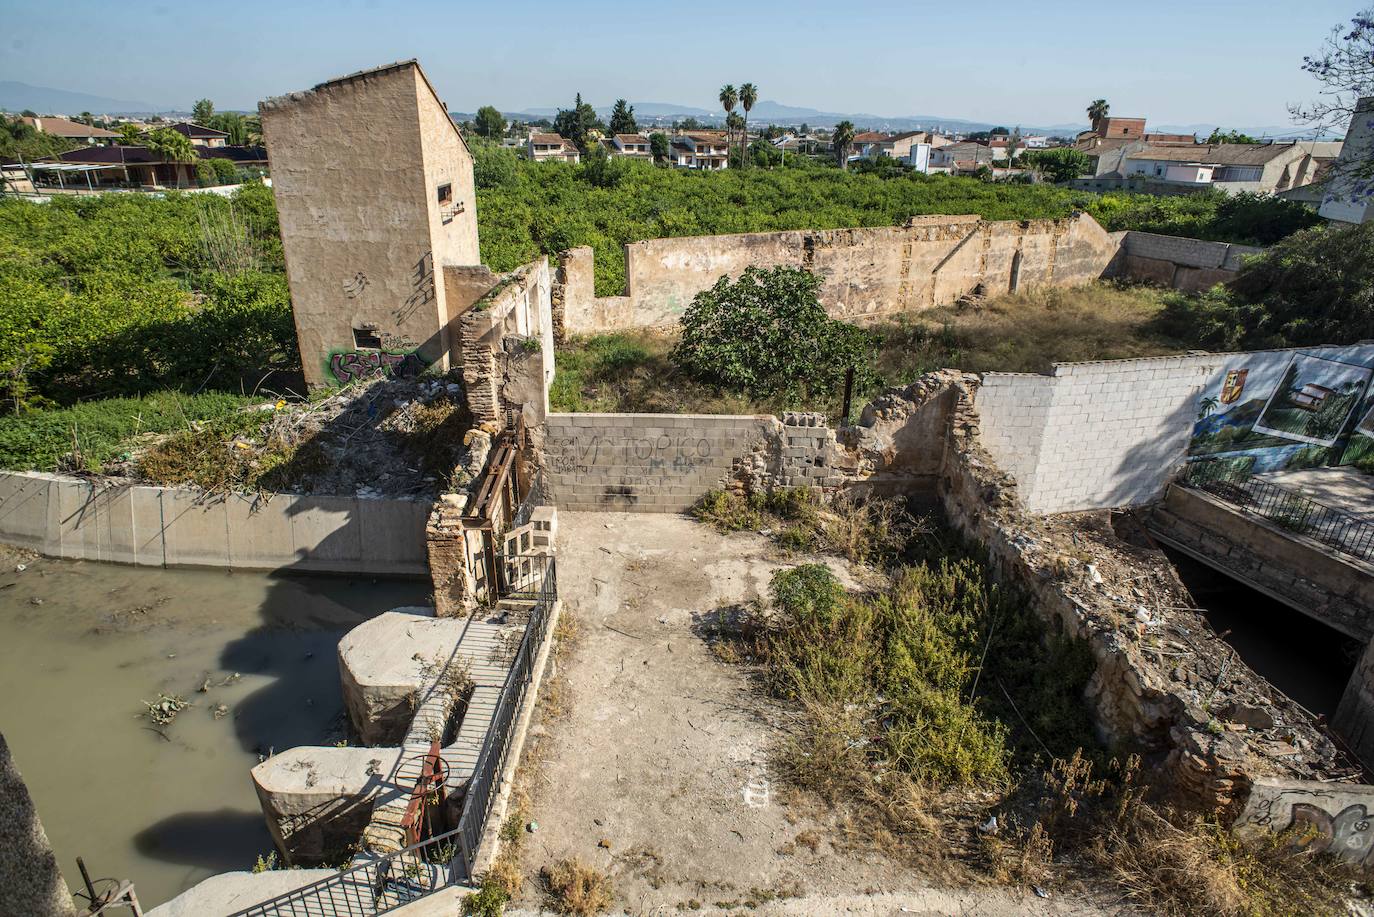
x=90 y=435
x=490 y=122
x=526 y=209
x=767 y=333
x=1059 y=164
x=1220 y=136
x=1311 y=288
x=122 y=294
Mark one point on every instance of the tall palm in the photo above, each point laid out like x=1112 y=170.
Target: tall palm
x=1098 y=110
x=748 y=95
x=729 y=98
x=843 y=139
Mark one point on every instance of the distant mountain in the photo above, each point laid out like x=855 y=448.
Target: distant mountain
x=16 y=96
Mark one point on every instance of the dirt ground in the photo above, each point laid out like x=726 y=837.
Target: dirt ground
x=657 y=769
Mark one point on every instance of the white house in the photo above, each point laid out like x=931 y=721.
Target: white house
x=700 y=150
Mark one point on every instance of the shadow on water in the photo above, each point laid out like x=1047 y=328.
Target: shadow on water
x=212 y=840
x=1300 y=656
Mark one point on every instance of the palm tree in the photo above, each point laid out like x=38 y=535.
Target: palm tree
x=1206 y=406
x=1098 y=110
x=729 y=98
x=748 y=95
x=842 y=139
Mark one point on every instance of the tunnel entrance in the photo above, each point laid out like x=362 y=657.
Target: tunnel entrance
x=1307 y=660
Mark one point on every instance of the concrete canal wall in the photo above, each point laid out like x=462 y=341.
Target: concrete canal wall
x=172 y=527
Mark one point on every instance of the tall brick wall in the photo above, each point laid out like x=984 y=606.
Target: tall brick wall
x=644 y=462
x=1191 y=265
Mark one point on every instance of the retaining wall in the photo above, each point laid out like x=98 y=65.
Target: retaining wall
x=1191 y=265
x=644 y=462
x=169 y=527
x=865 y=272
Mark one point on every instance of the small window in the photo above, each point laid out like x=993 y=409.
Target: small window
x=367 y=339
x=446 y=194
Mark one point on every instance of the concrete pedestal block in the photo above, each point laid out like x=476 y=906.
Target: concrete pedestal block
x=318 y=800
x=381 y=666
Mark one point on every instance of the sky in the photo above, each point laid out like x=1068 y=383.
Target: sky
x=1173 y=61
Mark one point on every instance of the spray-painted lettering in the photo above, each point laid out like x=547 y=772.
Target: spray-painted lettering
x=350 y=366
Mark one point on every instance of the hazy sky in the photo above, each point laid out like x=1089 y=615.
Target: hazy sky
x=1174 y=61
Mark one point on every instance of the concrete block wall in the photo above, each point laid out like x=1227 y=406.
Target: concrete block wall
x=644 y=462
x=163 y=526
x=1191 y=265
x=1093 y=435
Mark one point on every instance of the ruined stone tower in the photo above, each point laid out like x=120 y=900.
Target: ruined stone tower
x=375 y=193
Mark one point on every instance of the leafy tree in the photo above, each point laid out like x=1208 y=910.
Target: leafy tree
x=1344 y=66
x=202 y=112
x=86 y=118
x=1097 y=110
x=764 y=155
x=222 y=171
x=490 y=122
x=1311 y=288
x=1059 y=164
x=660 y=146
x=19 y=140
x=768 y=334
x=842 y=139
x=170 y=145
x=494 y=166
x=623 y=118
x=233 y=124
x=130 y=134
x=748 y=95
x=688 y=123
x=1220 y=136
x=576 y=123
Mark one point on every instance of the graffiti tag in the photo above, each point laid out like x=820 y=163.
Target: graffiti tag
x=355 y=285
x=1345 y=834
x=352 y=365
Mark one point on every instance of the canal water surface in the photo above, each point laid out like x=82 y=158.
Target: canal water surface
x=84 y=645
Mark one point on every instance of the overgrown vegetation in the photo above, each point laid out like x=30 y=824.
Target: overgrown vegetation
x=1311 y=288
x=526 y=209
x=1023 y=332
x=943 y=724
x=577 y=888
x=121 y=294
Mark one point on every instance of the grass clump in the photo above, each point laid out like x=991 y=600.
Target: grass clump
x=578 y=889
x=863 y=531
x=239 y=452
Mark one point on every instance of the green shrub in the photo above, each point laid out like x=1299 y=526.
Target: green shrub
x=767 y=333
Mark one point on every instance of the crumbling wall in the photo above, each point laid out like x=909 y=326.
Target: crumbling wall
x=866 y=272
x=1164 y=684
x=506 y=343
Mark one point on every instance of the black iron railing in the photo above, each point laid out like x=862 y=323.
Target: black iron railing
x=381 y=885
x=481 y=789
x=371 y=888
x=1286 y=508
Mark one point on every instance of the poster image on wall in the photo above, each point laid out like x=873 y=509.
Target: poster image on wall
x=1366 y=426
x=1313 y=400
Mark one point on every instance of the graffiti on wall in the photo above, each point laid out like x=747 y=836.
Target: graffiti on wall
x=352 y=365
x=1280 y=409
x=660 y=455
x=1324 y=822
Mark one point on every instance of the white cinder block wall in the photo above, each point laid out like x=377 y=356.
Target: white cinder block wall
x=1109 y=433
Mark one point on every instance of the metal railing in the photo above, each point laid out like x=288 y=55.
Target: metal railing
x=1285 y=508
x=481 y=789
x=371 y=888
x=399 y=878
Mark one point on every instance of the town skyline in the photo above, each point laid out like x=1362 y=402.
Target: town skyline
x=1036 y=71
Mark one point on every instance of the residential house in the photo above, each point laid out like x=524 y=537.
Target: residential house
x=962 y=158
x=871 y=144
x=705 y=150
x=1349 y=196
x=636 y=146
x=199 y=135
x=1035 y=142
x=70 y=130
x=107 y=167
x=542 y=146
x=1263 y=168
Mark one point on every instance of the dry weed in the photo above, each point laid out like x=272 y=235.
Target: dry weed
x=578 y=889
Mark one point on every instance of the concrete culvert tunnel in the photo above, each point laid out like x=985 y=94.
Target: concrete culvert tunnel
x=1307 y=660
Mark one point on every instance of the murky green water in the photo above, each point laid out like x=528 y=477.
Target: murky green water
x=82 y=645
